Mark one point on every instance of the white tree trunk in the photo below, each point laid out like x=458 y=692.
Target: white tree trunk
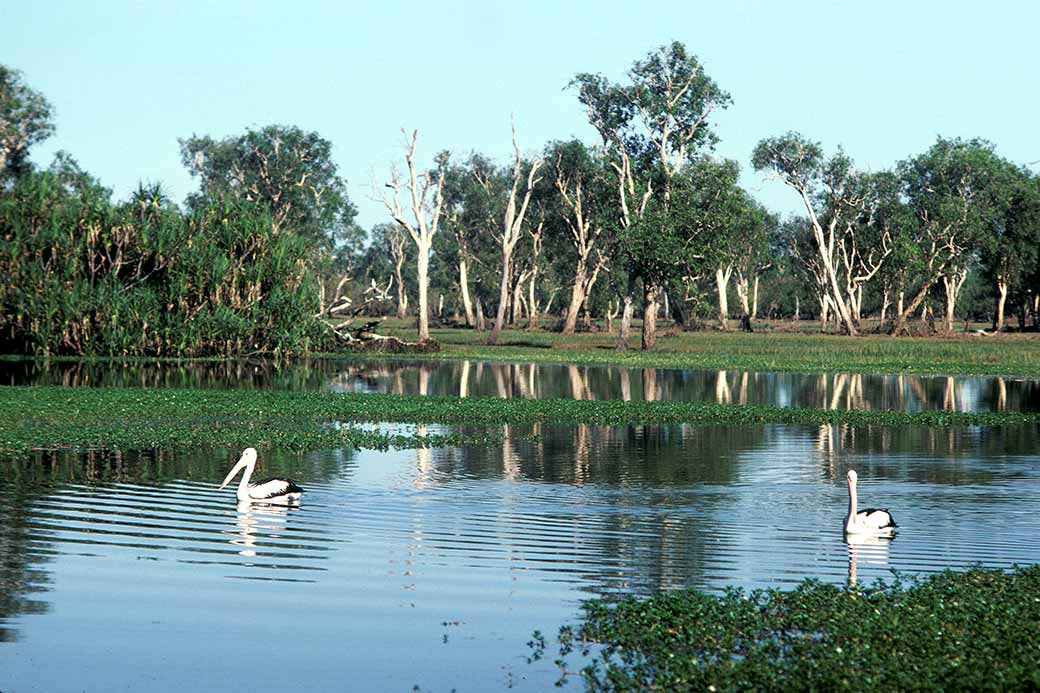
x=467 y=302
x=722 y=287
x=650 y=307
x=423 y=271
x=952 y=283
x=754 y=300
x=1002 y=292
x=626 y=321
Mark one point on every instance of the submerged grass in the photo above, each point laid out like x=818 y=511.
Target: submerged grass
x=55 y=417
x=976 y=630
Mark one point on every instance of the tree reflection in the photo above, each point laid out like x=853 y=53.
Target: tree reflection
x=481 y=379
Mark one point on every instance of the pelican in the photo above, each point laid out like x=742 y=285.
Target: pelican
x=876 y=521
x=268 y=490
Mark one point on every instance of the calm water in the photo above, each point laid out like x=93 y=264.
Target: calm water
x=433 y=567
x=483 y=379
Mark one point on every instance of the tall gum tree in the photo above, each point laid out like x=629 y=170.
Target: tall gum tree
x=580 y=185
x=470 y=212
x=828 y=191
x=651 y=127
x=512 y=229
x=948 y=191
x=1011 y=250
x=426 y=191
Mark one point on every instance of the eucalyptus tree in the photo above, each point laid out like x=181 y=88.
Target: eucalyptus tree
x=512 y=224
x=583 y=201
x=830 y=192
x=470 y=213
x=800 y=242
x=651 y=128
x=1011 y=251
x=286 y=170
x=870 y=239
x=391 y=241
x=426 y=190
x=753 y=230
x=673 y=241
x=948 y=189
x=25 y=119
x=76 y=180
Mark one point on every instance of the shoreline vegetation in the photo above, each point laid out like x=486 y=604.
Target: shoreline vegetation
x=55 y=417
x=776 y=349
x=972 y=630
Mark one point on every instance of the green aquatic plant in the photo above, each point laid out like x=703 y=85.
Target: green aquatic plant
x=974 y=630
x=55 y=417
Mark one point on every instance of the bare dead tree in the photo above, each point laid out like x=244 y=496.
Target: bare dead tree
x=512 y=228
x=426 y=214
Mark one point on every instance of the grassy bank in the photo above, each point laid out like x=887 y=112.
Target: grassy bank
x=978 y=630
x=56 y=417
x=766 y=350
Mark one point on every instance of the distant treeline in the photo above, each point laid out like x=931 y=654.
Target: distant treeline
x=266 y=255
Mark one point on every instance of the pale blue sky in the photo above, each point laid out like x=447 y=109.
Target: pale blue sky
x=880 y=78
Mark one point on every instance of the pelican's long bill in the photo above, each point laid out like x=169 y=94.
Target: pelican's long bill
x=243 y=461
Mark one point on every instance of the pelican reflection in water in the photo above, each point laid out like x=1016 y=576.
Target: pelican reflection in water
x=283 y=491
x=269 y=521
x=868 y=549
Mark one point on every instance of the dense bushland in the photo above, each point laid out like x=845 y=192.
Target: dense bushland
x=82 y=275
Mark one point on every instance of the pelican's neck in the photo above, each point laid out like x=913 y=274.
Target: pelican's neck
x=852 y=500
x=243 y=485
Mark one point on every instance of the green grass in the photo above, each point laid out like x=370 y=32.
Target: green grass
x=767 y=350
x=122 y=418
x=976 y=630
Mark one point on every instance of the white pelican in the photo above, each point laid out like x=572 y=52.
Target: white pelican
x=876 y=521
x=268 y=490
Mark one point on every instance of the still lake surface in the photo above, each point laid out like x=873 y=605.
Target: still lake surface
x=431 y=568
x=553 y=380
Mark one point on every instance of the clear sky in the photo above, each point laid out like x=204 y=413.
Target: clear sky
x=882 y=78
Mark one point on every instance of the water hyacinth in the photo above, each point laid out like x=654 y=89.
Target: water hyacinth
x=52 y=416
x=976 y=630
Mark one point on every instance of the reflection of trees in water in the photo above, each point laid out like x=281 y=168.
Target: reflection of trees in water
x=162 y=465
x=485 y=379
x=647 y=523
x=885 y=450
x=671 y=454
x=23 y=550
x=302 y=374
x=825 y=390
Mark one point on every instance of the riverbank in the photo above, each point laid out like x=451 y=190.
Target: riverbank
x=976 y=630
x=55 y=417
x=766 y=350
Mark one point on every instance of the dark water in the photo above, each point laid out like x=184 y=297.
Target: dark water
x=483 y=379
x=433 y=567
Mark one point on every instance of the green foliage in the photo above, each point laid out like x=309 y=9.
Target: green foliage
x=58 y=417
x=84 y=276
x=285 y=170
x=25 y=119
x=977 y=630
